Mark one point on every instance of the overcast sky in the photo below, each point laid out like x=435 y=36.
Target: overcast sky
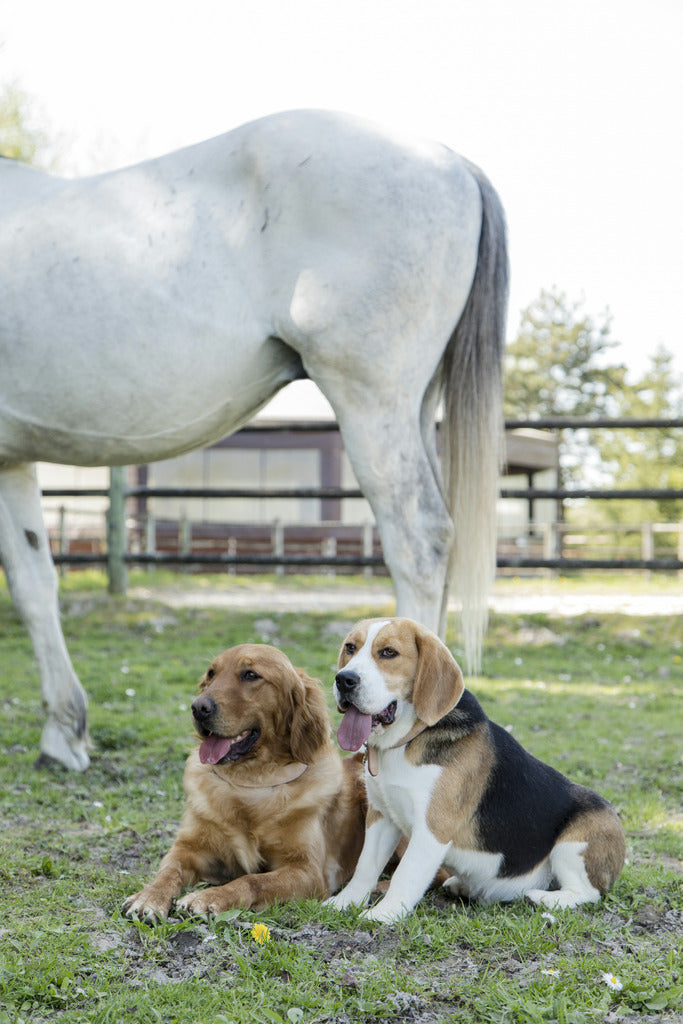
x=574 y=110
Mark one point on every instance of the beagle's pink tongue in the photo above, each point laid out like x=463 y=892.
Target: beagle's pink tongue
x=354 y=729
x=213 y=749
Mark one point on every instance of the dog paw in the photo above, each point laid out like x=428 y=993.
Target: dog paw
x=560 y=899
x=384 y=913
x=196 y=904
x=455 y=887
x=344 y=900
x=337 y=902
x=145 y=908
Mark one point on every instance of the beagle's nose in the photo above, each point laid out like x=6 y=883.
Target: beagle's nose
x=346 y=682
x=203 y=708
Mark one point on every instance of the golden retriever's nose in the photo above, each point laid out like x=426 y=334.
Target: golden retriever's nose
x=346 y=683
x=203 y=709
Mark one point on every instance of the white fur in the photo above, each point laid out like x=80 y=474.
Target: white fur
x=475 y=875
x=569 y=871
x=381 y=839
x=211 y=278
x=401 y=793
x=372 y=694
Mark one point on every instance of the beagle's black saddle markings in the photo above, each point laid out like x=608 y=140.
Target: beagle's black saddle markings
x=464 y=792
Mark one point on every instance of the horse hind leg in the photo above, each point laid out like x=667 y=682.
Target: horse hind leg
x=32 y=581
x=398 y=477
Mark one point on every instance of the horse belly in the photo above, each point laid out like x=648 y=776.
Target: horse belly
x=120 y=346
x=139 y=417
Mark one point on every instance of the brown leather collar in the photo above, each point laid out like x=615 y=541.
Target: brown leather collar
x=280 y=777
x=372 y=753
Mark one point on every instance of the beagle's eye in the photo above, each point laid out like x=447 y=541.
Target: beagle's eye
x=388 y=652
x=248 y=675
x=350 y=648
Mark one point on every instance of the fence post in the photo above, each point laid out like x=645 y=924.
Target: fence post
x=116 y=531
x=62 y=548
x=150 y=538
x=367 y=548
x=647 y=544
x=278 y=544
x=232 y=551
x=328 y=549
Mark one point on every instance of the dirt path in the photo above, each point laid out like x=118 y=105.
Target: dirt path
x=269 y=597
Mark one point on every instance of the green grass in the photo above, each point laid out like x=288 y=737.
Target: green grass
x=598 y=696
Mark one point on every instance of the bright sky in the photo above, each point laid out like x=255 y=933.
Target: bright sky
x=572 y=107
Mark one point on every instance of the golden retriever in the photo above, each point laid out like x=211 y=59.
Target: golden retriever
x=272 y=812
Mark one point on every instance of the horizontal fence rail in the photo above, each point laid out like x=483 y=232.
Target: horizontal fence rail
x=369 y=560
x=325 y=561
x=560 y=493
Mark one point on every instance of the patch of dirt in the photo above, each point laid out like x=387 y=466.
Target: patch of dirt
x=346 y=955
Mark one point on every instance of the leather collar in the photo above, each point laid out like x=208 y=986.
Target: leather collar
x=279 y=777
x=371 y=757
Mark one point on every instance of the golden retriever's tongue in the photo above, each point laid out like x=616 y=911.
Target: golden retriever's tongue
x=213 y=749
x=354 y=729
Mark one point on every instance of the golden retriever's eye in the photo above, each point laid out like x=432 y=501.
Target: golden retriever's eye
x=210 y=673
x=350 y=648
x=248 y=675
x=388 y=652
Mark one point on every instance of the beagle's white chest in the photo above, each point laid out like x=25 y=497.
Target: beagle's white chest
x=402 y=791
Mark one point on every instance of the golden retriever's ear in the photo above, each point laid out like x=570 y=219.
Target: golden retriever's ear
x=438 y=682
x=310 y=724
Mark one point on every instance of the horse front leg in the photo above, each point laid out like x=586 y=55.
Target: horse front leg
x=32 y=581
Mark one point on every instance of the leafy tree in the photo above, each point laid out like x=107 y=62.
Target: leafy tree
x=558 y=366
x=651 y=457
x=19 y=138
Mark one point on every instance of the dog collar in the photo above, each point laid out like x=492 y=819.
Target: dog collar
x=371 y=758
x=288 y=773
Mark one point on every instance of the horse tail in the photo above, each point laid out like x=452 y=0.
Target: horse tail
x=472 y=434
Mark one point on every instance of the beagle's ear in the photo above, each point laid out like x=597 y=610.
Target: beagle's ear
x=310 y=720
x=438 y=682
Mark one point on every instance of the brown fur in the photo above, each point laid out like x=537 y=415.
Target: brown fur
x=468 y=776
x=577 y=846
x=606 y=846
x=257 y=842
x=438 y=684
x=426 y=673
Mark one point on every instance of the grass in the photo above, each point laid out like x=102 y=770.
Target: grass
x=598 y=696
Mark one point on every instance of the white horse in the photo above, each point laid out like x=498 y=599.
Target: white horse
x=152 y=310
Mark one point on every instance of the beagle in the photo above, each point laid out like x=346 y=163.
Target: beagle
x=466 y=794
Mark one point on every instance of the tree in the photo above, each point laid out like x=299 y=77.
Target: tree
x=19 y=138
x=652 y=457
x=558 y=366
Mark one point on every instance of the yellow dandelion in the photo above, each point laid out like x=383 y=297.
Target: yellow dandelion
x=260 y=933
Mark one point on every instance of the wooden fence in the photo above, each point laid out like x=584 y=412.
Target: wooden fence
x=549 y=547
